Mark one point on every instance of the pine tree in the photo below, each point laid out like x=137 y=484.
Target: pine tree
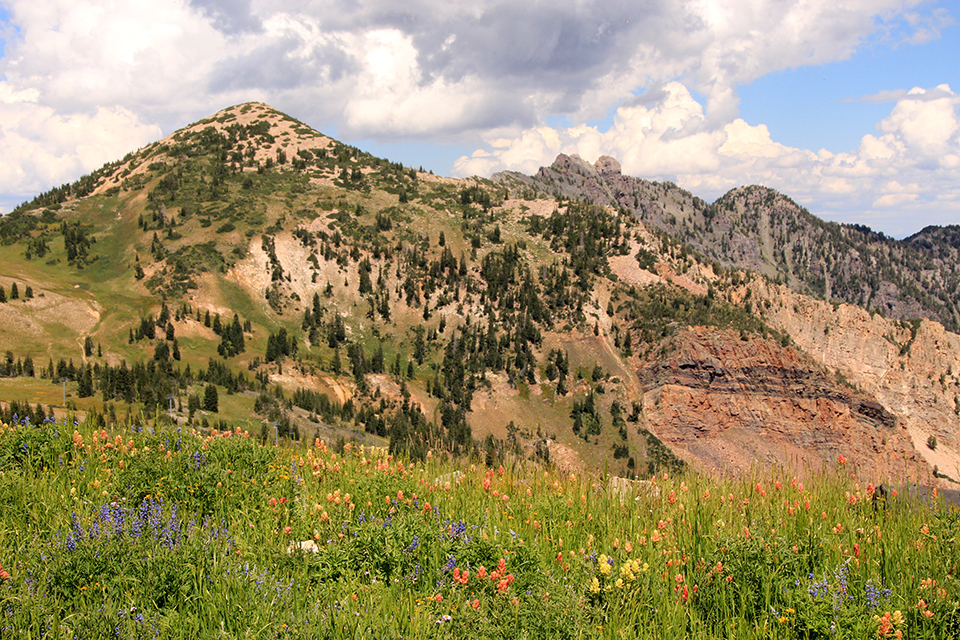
x=384 y=308
x=211 y=400
x=14 y=291
x=377 y=366
x=336 y=365
x=85 y=386
x=237 y=334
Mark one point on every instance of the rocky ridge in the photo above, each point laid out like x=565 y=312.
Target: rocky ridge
x=759 y=229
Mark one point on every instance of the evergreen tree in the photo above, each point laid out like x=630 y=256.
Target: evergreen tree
x=277 y=346
x=14 y=291
x=377 y=365
x=164 y=316
x=211 y=400
x=193 y=404
x=85 y=386
x=3 y=295
x=336 y=365
x=236 y=331
x=384 y=308
x=337 y=334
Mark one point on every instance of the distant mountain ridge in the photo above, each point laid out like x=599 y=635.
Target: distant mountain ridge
x=759 y=229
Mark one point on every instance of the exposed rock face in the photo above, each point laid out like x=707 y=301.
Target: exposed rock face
x=730 y=405
x=759 y=229
x=608 y=167
x=911 y=368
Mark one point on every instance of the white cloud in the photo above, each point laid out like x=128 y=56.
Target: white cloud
x=879 y=97
x=926 y=122
x=374 y=69
x=442 y=71
x=913 y=165
x=40 y=149
x=390 y=93
x=81 y=54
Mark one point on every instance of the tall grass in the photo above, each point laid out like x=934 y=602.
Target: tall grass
x=159 y=533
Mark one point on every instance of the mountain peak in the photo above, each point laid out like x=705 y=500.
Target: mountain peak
x=572 y=161
x=606 y=166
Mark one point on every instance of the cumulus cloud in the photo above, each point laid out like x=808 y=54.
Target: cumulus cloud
x=911 y=166
x=40 y=148
x=450 y=72
x=575 y=57
x=229 y=16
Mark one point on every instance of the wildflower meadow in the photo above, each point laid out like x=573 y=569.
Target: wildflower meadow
x=151 y=531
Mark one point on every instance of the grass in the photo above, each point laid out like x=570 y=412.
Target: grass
x=154 y=532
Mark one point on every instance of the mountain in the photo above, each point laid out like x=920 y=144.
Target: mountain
x=762 y=230
x=248 y=272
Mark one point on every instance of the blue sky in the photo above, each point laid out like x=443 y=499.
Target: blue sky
x=852 y=110
x=819 y=107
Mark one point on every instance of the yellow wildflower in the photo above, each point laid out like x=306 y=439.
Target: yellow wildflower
x=603 y=564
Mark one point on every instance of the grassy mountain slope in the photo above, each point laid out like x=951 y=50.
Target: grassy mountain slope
x=250 y=271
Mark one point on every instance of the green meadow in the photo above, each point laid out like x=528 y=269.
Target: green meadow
x=149 y=531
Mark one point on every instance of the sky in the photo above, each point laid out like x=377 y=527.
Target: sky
x=850 y=107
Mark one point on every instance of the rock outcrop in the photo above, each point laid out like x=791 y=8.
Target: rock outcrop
x=911 y=368
x=729 y=405
x=759 y=229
